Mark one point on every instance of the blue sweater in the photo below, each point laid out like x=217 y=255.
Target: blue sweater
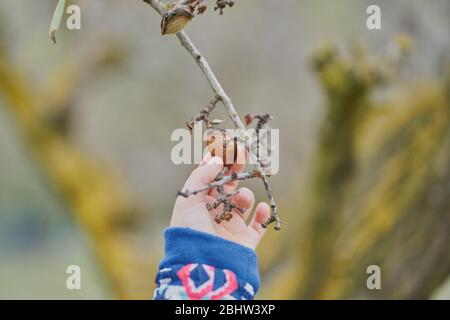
x=201 y=266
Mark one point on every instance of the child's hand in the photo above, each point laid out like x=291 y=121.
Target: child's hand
x=192 y=212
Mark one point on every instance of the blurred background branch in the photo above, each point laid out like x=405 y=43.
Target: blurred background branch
x=96 y=196
x=379 y=190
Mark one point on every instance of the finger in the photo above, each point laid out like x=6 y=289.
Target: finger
x=205 y=174
x=262 y=213
x=245 y=199
x=207 y=158
x=201 y=177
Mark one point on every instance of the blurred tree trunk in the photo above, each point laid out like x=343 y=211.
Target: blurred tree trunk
x=96 y=197
x=380 y=189
x=378 y=194
x=346 y=89
x=400 y=216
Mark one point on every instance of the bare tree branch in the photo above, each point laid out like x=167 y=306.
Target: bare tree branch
x=221 y=182
x=217 y=88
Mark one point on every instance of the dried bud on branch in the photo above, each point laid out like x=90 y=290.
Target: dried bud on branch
x=179 y=14
x=222 y=4
x=204 y=116
x=262 y=119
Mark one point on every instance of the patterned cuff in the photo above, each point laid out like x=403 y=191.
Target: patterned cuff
x=198 y=265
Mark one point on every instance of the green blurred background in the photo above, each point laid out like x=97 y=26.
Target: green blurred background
x=364 y=118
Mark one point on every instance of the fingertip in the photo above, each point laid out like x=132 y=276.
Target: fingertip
x=204 y=174
x=209 y=159
x=216 y=160
x=245 y=199
x=210 y=171
x=262 y=213
x=205 y=159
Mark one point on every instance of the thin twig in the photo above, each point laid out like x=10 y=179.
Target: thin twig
x=204 y=115
x=226 y=179
x=274 y=216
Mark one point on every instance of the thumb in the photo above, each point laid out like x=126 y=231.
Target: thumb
x=201 y=177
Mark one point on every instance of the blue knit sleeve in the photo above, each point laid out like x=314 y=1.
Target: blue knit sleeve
x=201 y=266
